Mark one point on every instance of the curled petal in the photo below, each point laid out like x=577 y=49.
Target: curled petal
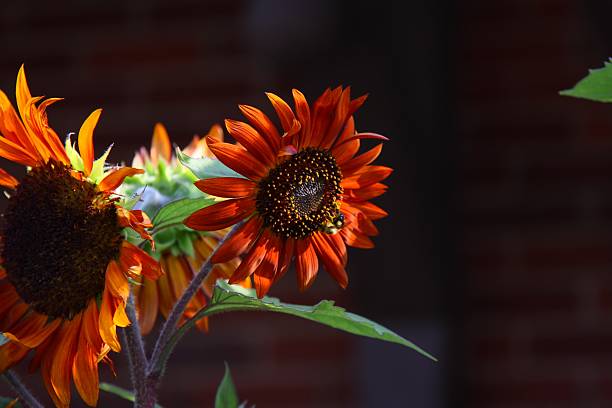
x=114 y=179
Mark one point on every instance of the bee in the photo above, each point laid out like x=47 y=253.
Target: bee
x=335 y=225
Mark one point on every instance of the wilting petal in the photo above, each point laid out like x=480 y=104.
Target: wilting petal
x=114 y=179
x=229 y=187
x=86 y=148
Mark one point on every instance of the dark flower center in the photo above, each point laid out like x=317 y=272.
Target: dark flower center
x=299 y=196
x=59 y=234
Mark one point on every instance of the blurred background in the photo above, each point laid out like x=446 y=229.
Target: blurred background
x=497 y=254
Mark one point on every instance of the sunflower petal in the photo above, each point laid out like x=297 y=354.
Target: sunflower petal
x=263 y=124
x=229 y=187
x=252 y=260
x=160 y=146
x=239 y=242
x=306 y=263
x=284 y=112
x=85 y=372
x=237 y=159
x=220 y=215
x=6 y=180
x=250 y=138
x=108 y=328
x=86 y=148
x=114 y=179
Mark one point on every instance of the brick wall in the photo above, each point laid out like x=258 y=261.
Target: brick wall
x=535 y=205
x=188 y=63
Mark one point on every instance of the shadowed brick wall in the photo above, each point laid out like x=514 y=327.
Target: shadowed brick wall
x=188 y=63
x=534 y=205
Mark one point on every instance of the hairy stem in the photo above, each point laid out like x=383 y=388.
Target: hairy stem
x=21 y=390
x=135 y=347
x=155 y=369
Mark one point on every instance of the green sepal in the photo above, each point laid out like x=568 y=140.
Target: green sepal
x=596 y=86
x=75 y=158
x=97 y=170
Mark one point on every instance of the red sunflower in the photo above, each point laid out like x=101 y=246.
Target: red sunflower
x=65 y=265
x=305 y=192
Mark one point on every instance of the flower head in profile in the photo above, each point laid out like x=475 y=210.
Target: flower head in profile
x=304 y=192
x=181 y=251
x=66 y=266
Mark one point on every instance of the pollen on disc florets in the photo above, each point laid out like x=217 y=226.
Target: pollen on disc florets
x=299 y=196
x=59 y=234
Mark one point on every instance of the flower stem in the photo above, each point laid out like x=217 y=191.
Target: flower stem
x=155 y=369
x=135 y=347
x=25 y=396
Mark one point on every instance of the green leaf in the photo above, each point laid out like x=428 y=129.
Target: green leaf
x=206 y=167
x=175 y=212
x=228 y=297
x=120 y=392
x=226 y=393
x=6 y=402
x=596 y=86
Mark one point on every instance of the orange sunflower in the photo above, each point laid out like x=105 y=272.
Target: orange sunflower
x=65 y=262
x=181 y=251
x=304 y=193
